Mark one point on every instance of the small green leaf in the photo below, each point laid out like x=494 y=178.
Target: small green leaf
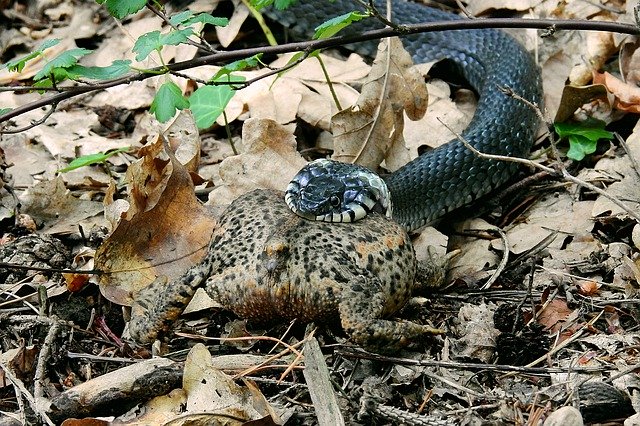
x=181 y=17
x=63 y=60
x=87 y=160
x=117 y=69
x=239 y=65
x=583 y=137
x=208 y=102
x=3 y=111
x=187 y=18
x=121 y=8
x=145 y=44
x=153 y=40
x=334 y=25
x=18 y=64
x=280 y=4
x=168 y=99
x=579 y=147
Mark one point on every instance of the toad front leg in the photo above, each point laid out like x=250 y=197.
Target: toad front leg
x=158 y=305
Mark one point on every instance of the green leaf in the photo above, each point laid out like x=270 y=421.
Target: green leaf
x=149 y=42
x=168 y=99
x=145 y=44
x=63 y=60
x=87 y=160
x=181 y=17
x=583 y=137
x=334 y=25
x=239 y=65
x=580 y=146
x=18 y=64
x=117 y=68
x=188 y=18
x=208 y=102
x=121 y=8
x=280 y=4
x=3 y=111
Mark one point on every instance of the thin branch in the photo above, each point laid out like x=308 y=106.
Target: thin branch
x=220 y=57
x=563 y=173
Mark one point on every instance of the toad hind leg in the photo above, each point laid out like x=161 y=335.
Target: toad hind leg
x=361 y=307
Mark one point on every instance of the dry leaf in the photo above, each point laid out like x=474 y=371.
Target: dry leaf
x=574 y=97
x=210 y=391
x=554 y=315
x=627 y=96
x=164 y=231
x=53 y=206
x=478 y=7
x=627 y=188
x=369 y=130
x=630 y=61
x=270 y=161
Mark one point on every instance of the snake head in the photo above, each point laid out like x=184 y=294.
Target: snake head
x=330 y=191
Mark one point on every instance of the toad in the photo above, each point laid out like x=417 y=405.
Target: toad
x=267 y=264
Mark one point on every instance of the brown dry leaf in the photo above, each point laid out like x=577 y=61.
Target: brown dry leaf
x=478 y=7
x=478 y=259
x=369 y=130
x=270 y=161
x=164 y=232
x=599 y=48
x=445 y=115
x=227 y=34
x=574 y=97
x=555 y=314
x=627 y=96
x=53 y=206
x=210 y=392
x=627 y=188
x=479 y=334
x=630 y=61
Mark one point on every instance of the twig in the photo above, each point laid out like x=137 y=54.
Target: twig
x=474 y=366
x=563 y=172
x=43 y=357
x=331 y=42
x=634 y=163
x=503 y=261
x=25 y=392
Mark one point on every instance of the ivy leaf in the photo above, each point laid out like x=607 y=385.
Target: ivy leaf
x=63 y=60
x=121 y=8
x=334 y=25
x=583 y=137
x=153 y=40
x=19 y=63
x=117 y=69
x=208 y=102
x=87 y=160
x=168 y=99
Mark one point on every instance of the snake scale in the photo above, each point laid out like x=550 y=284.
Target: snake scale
x=451 y=176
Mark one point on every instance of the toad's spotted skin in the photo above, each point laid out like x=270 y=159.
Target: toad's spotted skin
x=265 y=263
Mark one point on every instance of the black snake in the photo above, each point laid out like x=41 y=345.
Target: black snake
x=490 y=60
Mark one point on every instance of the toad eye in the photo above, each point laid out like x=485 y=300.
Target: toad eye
x=335 y=201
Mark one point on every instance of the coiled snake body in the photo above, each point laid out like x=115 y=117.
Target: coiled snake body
x=451 y=176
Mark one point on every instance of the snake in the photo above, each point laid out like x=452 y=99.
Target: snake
x=450 y=176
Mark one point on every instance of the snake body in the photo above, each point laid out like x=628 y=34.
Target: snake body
x=452 y=176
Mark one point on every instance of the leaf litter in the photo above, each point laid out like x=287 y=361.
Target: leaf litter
x=583 y=248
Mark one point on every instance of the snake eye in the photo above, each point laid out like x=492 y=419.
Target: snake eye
x=335 y=201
